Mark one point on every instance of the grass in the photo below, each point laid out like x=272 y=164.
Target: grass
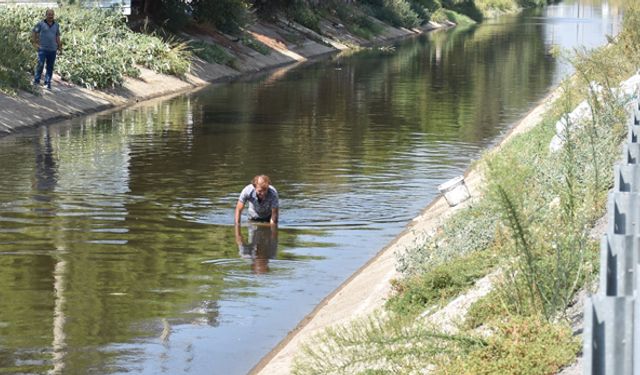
x=447 y=280
x=443 y=15
x=212 y=53
x=251 y=42
x=519 y=345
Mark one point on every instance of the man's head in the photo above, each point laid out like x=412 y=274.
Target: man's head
x=261 y=183
x=49 y=14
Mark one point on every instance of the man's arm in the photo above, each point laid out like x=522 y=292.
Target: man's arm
x=239 y=208
x=59 y=42
x=274 y=215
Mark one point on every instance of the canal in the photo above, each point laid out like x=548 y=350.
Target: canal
x=117 y=248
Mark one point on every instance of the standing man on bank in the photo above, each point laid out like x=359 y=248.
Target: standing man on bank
x=45 y=36
x=262 y=199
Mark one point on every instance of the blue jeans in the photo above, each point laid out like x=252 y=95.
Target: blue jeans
x=48 y=57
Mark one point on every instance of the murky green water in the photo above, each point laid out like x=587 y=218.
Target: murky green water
x=117 y=251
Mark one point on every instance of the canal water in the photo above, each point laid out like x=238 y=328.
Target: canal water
x=117 y=249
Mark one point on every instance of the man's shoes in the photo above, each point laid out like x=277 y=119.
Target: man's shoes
x=36 y=83
x=47 y=85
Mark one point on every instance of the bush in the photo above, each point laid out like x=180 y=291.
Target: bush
x=629 y=37
x=421 y=12
x=268 y=9
x=302 y=14
x=378 y=345
x=443 y=15
x=430 y=5
x=211 y=53
x=17 y=57
x=468 y=8
x=229 y=16
x=172 y=14
x=356 y=21
x=93 y=64
x=166 y=57
x=396 y=12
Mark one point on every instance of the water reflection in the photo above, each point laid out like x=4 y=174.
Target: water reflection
x=261 y=246
x=46 y=173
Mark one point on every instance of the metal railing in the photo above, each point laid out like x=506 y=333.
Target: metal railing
x=611 y=325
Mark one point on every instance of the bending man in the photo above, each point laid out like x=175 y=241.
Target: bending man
x=262 y=199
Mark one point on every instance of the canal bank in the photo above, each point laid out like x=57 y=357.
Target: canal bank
x=66 y=100
x=368 y=289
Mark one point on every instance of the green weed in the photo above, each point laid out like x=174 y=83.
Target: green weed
x=378 y=345
x=519 y=345
x=255 y=44
x=467 y=231
x=413 y=295
x=211 y=53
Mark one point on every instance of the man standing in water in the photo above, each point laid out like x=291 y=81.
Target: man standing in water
x=262 y=199
x=45 y=36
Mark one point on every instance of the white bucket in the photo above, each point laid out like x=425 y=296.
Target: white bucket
x=455 y=191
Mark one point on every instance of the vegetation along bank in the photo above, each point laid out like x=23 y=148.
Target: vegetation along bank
x=169 y=46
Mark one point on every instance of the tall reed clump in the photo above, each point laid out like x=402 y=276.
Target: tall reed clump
x=100 y=50
x=546 y=215
x=17 y=57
